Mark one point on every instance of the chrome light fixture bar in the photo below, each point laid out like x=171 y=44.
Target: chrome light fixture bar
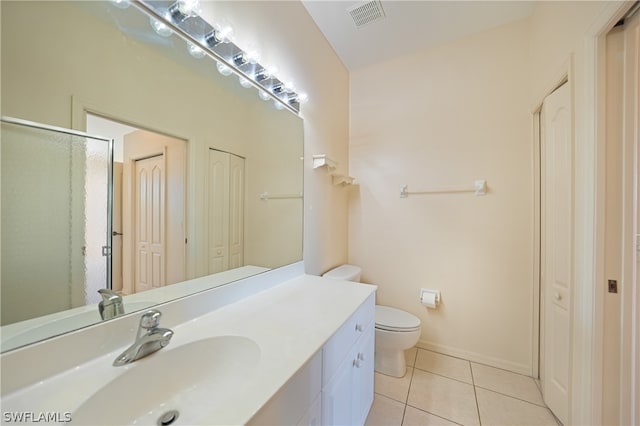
x=195 y=30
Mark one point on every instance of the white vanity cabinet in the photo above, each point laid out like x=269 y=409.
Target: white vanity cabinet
x=336 y=386
x=347 y=369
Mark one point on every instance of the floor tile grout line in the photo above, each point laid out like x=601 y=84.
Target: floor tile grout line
x=442 y=375
x=388 y=397
x=433 y=414
x=475 y=394
x=406 y=402
x=511 y=396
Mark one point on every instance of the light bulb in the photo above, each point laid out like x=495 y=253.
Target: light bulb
x=302 y=98
x=189 y=7
x=121 y=4
x=225 y=33
x=264 y=95
x=278 y=105
x=289 y=86
x=183 y=9
x=224 y=69
x=252 y=56
x=245 y=83
x=195 y=51
x=272 y=71
x=160 y=28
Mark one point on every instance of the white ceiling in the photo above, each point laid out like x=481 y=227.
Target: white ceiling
x=408 y=25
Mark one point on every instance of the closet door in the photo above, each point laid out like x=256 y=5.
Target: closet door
x=236 y=211
x=226 y=211
x=218 y=211
x=557 y=254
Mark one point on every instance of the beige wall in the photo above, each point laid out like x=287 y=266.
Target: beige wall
x=273 y=228
x=287 y=37
x=442 y=118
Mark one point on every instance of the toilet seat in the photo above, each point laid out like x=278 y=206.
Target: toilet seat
x=392 y=319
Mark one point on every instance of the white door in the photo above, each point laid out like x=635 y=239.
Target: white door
x=139 y=145
x=556 y=257
x=225 y=211
x=149 y=223
x=218 y=214
x=236 y=211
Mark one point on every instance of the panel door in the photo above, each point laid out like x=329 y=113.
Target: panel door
x=236 y=211
x=557 y=225
x=337 y=396
x=149 y=223
x=218 y=211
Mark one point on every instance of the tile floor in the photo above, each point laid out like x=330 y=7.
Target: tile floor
x=443 y=390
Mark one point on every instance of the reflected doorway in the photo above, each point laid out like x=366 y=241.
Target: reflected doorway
x=149 y=206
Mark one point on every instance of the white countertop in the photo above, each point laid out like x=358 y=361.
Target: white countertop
x=289 y=322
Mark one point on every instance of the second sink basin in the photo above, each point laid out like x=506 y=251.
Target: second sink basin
x=188 y=379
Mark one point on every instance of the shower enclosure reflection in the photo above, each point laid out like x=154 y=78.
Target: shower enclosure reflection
x=54 y=220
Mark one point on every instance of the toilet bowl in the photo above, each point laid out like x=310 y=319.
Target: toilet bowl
x=395 y=329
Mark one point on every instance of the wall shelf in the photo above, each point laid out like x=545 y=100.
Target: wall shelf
x=342 y=180
x=322 y=160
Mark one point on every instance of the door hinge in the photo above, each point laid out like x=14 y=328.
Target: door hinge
x=106 y=250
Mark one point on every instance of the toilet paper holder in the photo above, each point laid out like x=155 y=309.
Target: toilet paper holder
x=429 y=298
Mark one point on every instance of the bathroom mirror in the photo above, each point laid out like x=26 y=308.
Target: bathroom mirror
x=234 y=160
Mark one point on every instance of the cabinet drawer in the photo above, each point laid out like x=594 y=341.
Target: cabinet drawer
x=342 y=341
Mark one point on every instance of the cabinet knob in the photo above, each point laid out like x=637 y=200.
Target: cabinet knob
x=558 y=297
x=360 y=328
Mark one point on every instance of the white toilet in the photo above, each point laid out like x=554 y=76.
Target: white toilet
x=396 y=330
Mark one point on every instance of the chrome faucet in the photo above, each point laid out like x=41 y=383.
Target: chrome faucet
x=111 y=305
x=149 y=339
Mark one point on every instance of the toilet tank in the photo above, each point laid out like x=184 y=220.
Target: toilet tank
x=344 y=272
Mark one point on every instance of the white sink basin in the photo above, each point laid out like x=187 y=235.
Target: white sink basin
x=192 y=379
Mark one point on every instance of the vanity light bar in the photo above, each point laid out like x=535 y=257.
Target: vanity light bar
x=192 y=28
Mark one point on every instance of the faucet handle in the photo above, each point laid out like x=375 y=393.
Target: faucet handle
x=150 y=319
x=109 y=296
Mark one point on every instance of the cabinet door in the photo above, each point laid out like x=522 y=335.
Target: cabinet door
x=337 y=396
x=362 y=377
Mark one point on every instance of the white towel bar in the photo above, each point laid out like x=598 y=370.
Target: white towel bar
x=479 y=188
x=265 y=196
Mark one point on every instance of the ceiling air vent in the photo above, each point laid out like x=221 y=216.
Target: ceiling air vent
x=366 y=13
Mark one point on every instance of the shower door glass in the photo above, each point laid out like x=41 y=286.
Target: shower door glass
x=55 y=220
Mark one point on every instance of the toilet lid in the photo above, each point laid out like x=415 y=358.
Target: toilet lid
x=392 y=319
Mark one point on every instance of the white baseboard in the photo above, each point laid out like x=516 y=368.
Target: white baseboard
x=476 y=357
